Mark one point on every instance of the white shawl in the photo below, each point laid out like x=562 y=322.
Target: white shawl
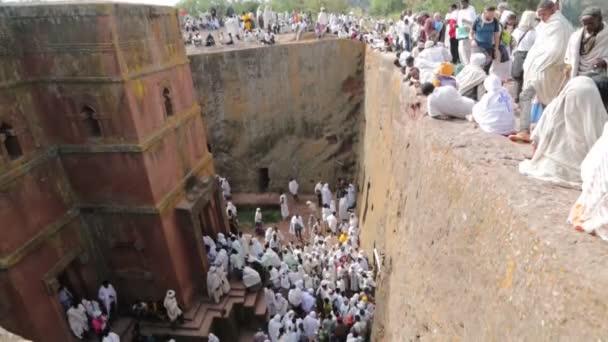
x=494 y=112
x=544 y=64
x=472 y=75
x=590 y=212
x=599 y=51
x=569 y=127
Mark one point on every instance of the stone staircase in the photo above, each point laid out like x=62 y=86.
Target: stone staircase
x=235 y=310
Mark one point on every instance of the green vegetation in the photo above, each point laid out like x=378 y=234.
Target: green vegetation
x=246 y=215
x=384 y=8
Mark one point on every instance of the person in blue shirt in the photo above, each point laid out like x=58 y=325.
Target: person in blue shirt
x=485 y=36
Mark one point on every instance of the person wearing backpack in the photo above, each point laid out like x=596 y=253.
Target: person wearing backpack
x=485 y=36
x=524 y=36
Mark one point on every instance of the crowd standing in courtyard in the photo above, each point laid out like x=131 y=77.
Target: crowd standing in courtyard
x=318 y=284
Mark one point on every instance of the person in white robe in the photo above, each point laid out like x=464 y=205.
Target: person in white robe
x=245 y=240
x=251 y=279
x=214 y=285
x=429 y=60
x=281 y=304
x=91 y=306
x=222 y=260
x=544 y=65
x=565 y=133
x=256 y=248
x=284 y=207
x=326 y=194
x=77 y=318
x=208 y=241
x=494 y=112
x=171 y=306
x=343 y=209
x=445 y=102
x=293 y=188
x=237 y=262
x=470 y=78
x=267 y=16
x=212 y=338
x=588 y=46
x=258 y=217
x=322 y=22
x=332 y=223
x=351 y=195
x=268 y=234
x=225 y=185
x=108 y=297
x=236 y=244
x=311 y=325
x=292 y=225
x=590 y=212
x=109 y=336
x=353 y=221
x=295 y=296
x=274 y=325
x=231 y=25
x=225 y=284
x=230 y=206
x=221 y=240
x=270 y=258
x=275 y=278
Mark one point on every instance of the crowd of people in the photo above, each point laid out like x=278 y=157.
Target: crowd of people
x=492 y=66
x=318 y=284
x=91 y=316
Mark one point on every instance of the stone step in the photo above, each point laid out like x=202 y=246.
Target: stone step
x=260 y=305
x=122 y=326
x=208 y=323
x=250 y=299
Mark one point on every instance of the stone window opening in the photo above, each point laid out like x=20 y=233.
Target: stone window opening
x=91 y=121
x=10 y=141
x=168 y=103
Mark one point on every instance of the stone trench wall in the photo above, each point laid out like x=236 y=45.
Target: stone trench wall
x=473 y=251
x=292 y=108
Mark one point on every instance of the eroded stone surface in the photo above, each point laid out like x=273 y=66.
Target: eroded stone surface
x=294 y=109
x=474 y=250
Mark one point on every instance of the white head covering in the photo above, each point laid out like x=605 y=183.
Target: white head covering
x=528 y=21
x=429 y=44
x=492 y=83
x=478 y=59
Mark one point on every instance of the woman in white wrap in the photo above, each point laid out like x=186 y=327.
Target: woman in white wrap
x=274 y=325
x=77 y=318
x=494 y=112
x=214 y=285
x=170 y=304
x=470 y=79
x=544 y=65
x=569 y=127
x=284 y=207
x=590 y=212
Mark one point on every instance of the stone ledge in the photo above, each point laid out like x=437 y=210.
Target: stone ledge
x=474 y=250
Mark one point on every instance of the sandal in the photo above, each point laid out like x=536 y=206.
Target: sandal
x=521 y=137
